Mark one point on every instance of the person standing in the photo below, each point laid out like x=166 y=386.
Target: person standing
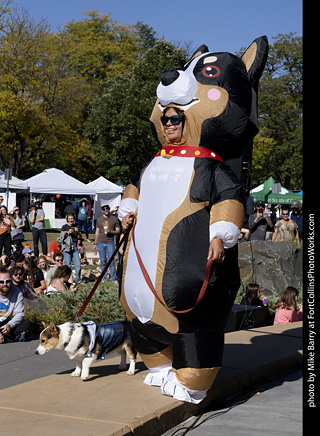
x=36 y=218
x=259 y=222
x=107 y=227
x=297 y=216
x=6 y=225
x=286 y=229
x=69 y=239
x=82 y=216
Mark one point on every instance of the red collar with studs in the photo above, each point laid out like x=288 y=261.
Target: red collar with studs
x=187 y=151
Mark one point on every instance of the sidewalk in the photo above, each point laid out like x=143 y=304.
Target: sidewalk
x=113 y=403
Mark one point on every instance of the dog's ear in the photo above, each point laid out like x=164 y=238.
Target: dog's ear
x=54 y=328
x=45 y=325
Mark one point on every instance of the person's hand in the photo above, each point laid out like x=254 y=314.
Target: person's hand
x=300 y=307
x=216 y=250
x=127 y=221
x=1 y=338
x=5 y=329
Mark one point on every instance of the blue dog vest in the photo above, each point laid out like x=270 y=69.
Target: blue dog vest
x=109 y=335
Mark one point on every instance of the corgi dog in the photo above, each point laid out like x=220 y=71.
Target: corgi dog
x=87 y=342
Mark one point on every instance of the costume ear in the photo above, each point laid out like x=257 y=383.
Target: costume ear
x=255 y=58
x=202 y=49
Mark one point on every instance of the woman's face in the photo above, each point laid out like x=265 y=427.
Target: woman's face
x=65 y=278
x=70 y=220
x=42 y=264
x=174 y=133
x=3 y=210
x=285 y=215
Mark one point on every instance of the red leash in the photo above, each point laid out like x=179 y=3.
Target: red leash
x=149 y=283
x=85 y=304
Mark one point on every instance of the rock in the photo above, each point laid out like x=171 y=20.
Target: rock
x=273 y=265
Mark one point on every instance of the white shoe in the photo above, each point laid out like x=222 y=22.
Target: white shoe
x=173 y=388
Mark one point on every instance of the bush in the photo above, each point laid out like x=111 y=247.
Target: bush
x=103 y=307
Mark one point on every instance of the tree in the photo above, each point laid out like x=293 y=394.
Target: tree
x=280 y=115
x=101 y=48
x=47 y=82
x=118 y=125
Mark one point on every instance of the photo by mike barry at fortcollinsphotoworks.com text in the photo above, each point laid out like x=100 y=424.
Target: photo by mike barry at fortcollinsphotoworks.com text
x=310 y=322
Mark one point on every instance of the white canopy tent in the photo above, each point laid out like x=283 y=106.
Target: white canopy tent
x=14 y=183
x=9 y=187
x=106 y=193
x=54 y=181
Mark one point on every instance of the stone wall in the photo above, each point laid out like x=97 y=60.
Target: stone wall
x=273 y=265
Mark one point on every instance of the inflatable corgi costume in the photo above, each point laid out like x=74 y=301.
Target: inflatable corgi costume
x=177 y=303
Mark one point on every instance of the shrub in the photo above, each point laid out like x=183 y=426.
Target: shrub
x=103 y=307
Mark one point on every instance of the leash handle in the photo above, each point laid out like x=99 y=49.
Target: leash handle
x=85 y=304
x=149 y=282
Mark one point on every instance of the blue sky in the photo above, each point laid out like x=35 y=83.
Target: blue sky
x=224 y=25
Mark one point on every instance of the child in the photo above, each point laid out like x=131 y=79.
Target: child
x=287 y=307
x=82 y=252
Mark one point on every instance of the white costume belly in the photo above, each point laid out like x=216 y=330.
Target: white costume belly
x=164 y=186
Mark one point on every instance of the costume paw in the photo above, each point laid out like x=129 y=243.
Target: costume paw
x=173 y=388
x=76 y=373
x=157 y=375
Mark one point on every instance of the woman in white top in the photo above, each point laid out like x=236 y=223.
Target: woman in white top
x=60 y=279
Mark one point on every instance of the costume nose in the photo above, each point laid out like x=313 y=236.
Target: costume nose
x=168 y=77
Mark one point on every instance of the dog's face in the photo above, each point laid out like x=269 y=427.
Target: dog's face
x=217 y=92
x=49 y=338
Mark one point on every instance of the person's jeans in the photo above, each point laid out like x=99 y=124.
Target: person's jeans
x=39 y=234
x=105 y=252
x=73 y=255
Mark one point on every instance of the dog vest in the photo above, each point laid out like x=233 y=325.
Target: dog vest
x=109 y=336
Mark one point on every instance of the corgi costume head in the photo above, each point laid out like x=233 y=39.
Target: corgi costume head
x=218 y=94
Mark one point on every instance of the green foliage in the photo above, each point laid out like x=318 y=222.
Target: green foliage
x=103 y=307
x=48 y=81
x=280 y=115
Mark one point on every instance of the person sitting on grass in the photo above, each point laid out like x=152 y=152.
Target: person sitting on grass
x=60 y=282
x=13 y=325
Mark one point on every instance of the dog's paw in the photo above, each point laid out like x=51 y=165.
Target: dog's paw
x=76 y=373
x=85 y=375
x=123 y=367
x=130 y=372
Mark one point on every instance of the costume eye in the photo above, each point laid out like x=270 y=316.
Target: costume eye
x=43 y=341
x=211 y=71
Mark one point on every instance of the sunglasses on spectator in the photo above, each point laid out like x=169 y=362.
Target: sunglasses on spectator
x=174 y=120
x=5 y=282
x=105 y=208
x=285 y=213
x=59 y=260
x=17 y=274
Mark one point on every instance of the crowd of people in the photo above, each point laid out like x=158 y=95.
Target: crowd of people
x=274 y=223
x=25 y=272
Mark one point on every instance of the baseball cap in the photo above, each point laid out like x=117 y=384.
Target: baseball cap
x=26 y=250
x=296 y=203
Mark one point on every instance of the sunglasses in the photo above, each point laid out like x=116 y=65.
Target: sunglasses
x=174 y=120
x=105 y=208
x=5 y=282
x=59 y=260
